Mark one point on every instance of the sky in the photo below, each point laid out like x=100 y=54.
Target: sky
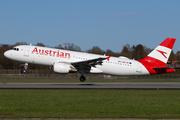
x=108 y=24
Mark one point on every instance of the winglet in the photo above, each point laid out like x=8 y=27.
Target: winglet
x=108 y=58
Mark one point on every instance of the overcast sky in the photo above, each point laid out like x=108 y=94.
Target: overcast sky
x=109 y=24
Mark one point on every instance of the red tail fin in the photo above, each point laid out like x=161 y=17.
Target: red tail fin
x=159 y=56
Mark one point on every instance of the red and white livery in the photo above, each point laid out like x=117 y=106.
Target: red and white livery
x=65 y=61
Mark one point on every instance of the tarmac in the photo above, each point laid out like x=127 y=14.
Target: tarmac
x=111 y=85
x=83 y=119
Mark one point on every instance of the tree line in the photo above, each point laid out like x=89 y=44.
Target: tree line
x=133 y=52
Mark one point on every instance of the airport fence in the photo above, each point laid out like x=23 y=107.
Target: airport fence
x=50 y=74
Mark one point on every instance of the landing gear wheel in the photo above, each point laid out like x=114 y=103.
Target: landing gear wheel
x=82 y=78
x=23 y=71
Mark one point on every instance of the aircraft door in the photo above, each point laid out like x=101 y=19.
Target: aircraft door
x=139 y=68
x=26 y=51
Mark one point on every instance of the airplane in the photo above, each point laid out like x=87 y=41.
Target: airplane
x=65 y=61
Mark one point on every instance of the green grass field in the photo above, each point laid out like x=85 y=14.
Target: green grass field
x=151 y=104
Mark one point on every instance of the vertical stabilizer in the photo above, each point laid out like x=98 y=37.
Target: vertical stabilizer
x=163 y=51
x=155 y=62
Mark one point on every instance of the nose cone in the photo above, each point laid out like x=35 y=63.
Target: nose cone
x=7 y=54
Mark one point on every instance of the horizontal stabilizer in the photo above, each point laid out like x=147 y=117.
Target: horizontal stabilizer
x=160 y=70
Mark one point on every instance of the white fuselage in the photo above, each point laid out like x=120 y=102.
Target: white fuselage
x=47 y=56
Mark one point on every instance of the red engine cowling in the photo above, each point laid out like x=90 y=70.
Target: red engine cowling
x=61 y=67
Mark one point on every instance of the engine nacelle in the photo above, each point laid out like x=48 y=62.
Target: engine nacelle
x=60 y=67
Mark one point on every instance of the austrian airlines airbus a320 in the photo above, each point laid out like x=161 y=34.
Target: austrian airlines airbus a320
x=65 y=61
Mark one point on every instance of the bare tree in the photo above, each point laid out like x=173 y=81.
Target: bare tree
x=40 y=44
x=96 y=50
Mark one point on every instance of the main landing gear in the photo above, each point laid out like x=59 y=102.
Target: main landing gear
x=82 y=78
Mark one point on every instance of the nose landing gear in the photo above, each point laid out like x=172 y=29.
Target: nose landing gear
x=23 y=68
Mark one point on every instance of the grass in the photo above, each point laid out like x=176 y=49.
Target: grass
x=150 y=104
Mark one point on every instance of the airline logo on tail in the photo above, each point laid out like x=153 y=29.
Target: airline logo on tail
x=163 y=53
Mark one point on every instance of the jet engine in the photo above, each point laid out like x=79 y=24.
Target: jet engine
x=60 y=67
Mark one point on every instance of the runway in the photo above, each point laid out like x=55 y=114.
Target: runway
x=112 y=85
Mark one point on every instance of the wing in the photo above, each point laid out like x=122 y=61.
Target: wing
x=85 y=66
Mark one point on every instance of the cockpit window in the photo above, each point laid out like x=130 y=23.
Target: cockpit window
x=16 y=49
